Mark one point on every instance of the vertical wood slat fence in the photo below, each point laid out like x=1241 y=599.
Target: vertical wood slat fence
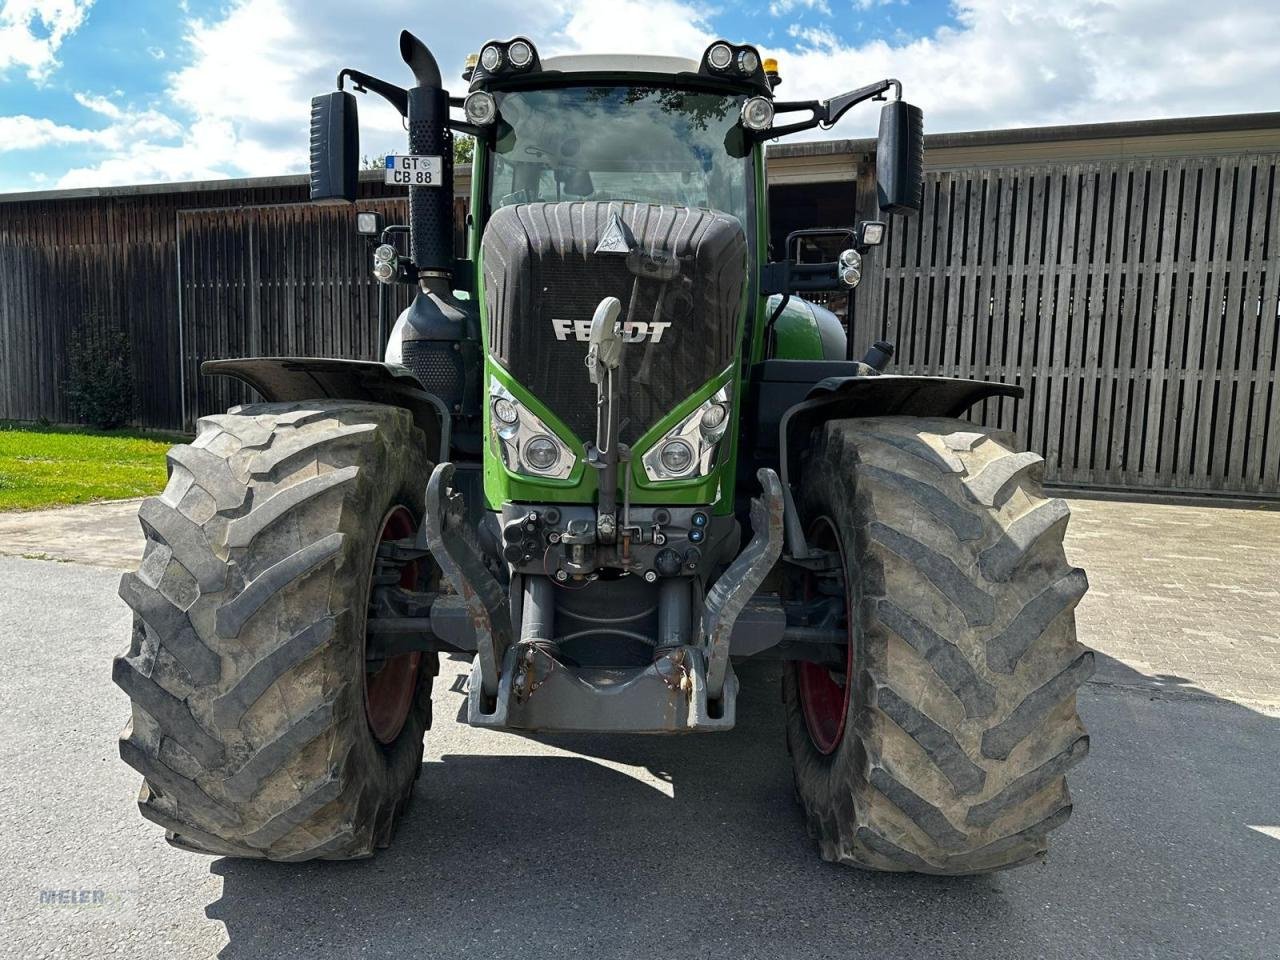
x=1136 y=301
x=283 y=280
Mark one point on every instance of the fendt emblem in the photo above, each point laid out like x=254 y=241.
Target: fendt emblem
x=633 y=331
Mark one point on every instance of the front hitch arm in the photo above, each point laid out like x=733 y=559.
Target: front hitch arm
x=463 y=567
x=740 y=581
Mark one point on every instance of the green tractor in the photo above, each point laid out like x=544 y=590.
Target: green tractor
x=608 y=454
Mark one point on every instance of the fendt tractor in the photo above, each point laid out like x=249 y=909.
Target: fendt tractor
x=607 y=455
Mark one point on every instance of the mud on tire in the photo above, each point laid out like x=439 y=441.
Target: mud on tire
x=962 y=720
x=246 y=669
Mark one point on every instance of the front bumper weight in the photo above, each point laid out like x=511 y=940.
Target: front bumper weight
x=538 y=692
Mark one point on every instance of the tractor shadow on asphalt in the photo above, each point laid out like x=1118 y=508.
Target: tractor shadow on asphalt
x=615 y=846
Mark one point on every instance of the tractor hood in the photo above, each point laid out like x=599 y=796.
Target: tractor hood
x=679 y=273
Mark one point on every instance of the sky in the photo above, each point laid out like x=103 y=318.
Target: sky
x=102 y=92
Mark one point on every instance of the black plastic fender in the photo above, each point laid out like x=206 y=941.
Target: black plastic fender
x=289 y=379
x=883 y=395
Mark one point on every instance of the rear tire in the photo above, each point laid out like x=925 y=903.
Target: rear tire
x=247 y=665
x=948 y=754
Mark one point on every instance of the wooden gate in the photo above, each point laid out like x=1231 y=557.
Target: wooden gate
x=1135 y=300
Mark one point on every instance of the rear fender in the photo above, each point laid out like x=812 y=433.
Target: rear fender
x=292 y=379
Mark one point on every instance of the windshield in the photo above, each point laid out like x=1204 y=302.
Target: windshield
x=646 y=144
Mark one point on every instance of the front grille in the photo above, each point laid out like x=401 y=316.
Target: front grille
x=541 y=267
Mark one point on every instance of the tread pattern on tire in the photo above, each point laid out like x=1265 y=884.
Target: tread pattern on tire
x=245 y=671
x=963 y=721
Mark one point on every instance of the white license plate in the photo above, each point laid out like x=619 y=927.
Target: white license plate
x=410 y=171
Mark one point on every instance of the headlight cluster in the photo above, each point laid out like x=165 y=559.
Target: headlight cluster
x=512 y=56
x=723 y=58
x=528 y=446
x=689 y=448
x=386 y=263
x=850 y=267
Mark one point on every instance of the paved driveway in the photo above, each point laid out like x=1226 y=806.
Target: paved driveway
x=685 y=847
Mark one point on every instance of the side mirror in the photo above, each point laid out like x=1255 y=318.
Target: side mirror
x=335 y=147
x=900 y=158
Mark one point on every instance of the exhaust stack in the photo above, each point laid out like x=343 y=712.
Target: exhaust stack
x=430 y=207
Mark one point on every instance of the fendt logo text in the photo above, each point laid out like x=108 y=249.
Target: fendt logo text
x=633 y=331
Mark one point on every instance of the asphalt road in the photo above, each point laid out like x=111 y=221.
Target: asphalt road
x=614 y=847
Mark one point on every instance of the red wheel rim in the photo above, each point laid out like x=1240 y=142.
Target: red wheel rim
x=388 y=694
x=824 y=701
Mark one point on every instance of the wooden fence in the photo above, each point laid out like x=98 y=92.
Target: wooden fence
x=1136 y=301
x=268 y=281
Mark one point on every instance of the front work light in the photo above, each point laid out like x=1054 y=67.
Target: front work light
x=757 y=113
x=871 y=233
x=480 y=108
x=491 y=58
x=368 y=223
x=520 y=53
x=720 y=56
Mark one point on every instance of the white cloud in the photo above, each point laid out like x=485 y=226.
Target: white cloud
x=246 y=77
x=780 y=8
x=252 y=72
x=1009 y=63
x=31 y=31
x=632 y=26
x=98 y=105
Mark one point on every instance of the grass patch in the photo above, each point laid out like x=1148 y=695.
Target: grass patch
x=53 y=466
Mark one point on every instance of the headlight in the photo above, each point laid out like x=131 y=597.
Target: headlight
x=505 y=410
x=850 y=276
x=528 y=446
x=676 y=456
x=491 y=58
x=851 y=258
x=714 y=415
x=541 y=453
x=748 y=61
x=720 y=56
x=757 y=113
x=689 y=448
x=479 y=108
x=385 y=252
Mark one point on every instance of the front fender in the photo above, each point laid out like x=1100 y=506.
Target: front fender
x=883 y=395
x=292 y=379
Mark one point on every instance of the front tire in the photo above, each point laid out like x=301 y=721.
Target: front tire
x=940 y=745
x=251 y=723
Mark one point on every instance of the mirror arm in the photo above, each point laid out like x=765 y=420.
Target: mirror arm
x=826 y=112
x=398 y=97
